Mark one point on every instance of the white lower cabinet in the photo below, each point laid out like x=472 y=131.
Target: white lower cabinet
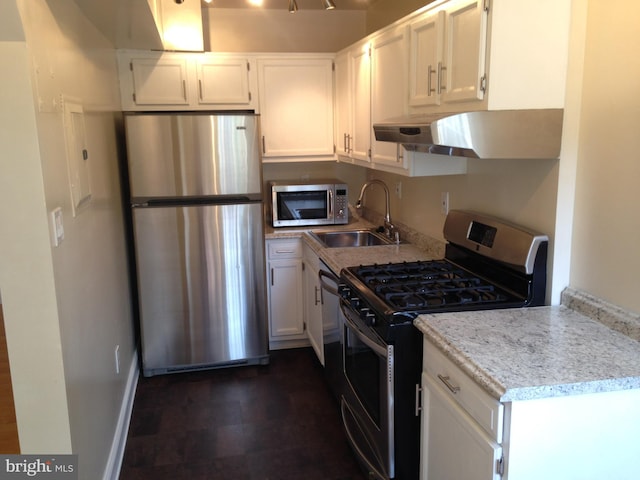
x=284 y=292
x=313 y=301
x=454 y=446
x=461 y=424
x=469 y=435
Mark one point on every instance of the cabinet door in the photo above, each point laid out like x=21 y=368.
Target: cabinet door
x=223 y=81
x=343 y=106
x=463 y=68
x=388 y=89
x=285 y=299
x=425 y=51
x=313 y=308
x=453 y=446
x=159 y=81
x=361 y=103
x=296 y=104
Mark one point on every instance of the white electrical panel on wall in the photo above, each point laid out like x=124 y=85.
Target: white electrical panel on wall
x=77 y=155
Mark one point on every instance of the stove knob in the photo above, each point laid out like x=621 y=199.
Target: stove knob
x=354 y=302
x=370 y=319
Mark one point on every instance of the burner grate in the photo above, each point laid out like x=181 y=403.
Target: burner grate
x=424 y=285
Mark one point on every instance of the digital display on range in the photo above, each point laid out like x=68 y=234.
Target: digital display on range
x=482 y=234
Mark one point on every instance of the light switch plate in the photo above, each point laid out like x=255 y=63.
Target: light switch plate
x=58 y=227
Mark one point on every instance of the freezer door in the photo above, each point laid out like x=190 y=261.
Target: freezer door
x=178 y=155
x=201 y=286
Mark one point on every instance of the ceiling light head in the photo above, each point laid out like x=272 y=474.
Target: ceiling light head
x=293 y=6
x=328 y=4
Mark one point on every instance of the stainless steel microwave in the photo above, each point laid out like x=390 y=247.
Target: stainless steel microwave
x=320 y=202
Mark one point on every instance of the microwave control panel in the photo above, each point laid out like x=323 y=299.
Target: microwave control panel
x=340 y=214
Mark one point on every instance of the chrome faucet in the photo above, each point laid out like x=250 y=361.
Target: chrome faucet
x=389 y=228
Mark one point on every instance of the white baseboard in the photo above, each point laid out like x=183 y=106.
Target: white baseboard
x=114 y=463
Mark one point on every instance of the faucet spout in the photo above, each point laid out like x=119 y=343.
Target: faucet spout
x=389 y=228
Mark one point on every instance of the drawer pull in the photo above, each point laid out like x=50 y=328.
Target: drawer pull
x=447 y=381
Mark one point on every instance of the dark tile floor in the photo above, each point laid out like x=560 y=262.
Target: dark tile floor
x=275 y=422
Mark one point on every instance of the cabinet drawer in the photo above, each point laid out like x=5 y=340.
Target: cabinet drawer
x=485 y=409
x=284 y=248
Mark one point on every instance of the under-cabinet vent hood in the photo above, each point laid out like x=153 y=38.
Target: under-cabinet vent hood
x=516 y=134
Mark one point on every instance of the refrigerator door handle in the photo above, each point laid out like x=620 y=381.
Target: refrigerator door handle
x=183 y=201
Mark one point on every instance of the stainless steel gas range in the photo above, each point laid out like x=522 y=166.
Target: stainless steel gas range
x=488 y=264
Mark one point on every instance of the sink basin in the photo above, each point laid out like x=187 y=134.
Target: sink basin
x=351 y=238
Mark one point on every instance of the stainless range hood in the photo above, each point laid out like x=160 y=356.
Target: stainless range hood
x=516 y=134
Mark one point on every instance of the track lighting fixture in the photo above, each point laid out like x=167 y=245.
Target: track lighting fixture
x=327 y=4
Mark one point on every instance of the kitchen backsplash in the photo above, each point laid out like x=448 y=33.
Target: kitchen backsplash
x=606 y=313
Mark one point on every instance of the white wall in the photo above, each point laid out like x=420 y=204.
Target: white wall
x=383 y=12
x=26 y=267
x=605 y=259
x=66 y=307
x=270 y=30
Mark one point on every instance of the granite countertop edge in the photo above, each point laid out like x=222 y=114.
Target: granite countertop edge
x=500 y=384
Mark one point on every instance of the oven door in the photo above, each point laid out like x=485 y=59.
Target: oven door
x=367 y=403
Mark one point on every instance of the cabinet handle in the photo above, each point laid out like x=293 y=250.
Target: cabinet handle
x=184 y=89
x=272 y=277
x=447 y=381
x=285 y=251
x=430 y=72
x=418 y=400
x=200 y=89
x=345 y=144
x=263 y=146
x=316 y=295
x=441 y=85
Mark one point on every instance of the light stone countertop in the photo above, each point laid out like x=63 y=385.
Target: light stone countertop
x=531 y=353
x=338 y=258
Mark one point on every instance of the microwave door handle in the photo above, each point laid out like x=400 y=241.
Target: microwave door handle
x=330 y=203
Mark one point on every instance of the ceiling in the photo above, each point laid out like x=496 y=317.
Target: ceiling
x=283 y=4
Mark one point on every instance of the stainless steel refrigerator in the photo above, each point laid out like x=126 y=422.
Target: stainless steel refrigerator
x=195 y=189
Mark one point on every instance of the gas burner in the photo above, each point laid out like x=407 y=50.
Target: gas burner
x=419 y=287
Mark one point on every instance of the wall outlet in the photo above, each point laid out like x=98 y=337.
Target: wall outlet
x=117 y=359
x=399 y=189
x=444 y=203
x=57 y=226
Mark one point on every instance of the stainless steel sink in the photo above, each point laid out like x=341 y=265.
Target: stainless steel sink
x=350 y=238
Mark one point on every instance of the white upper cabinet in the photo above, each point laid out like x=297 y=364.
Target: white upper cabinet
x=353 y=104
x=389 y=69
x=361 y=132
x=448 y=54
x=224 y=80
x=342 y=108
x=488 y=54
x=186 y=81
x=159 y=81
x=296 y=104
x=462 y=72
x=426 y=47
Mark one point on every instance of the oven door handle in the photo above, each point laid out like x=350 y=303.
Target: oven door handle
x=379 y=349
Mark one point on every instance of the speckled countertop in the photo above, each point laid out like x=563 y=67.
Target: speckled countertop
x=529 y=353
x=338 y=258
